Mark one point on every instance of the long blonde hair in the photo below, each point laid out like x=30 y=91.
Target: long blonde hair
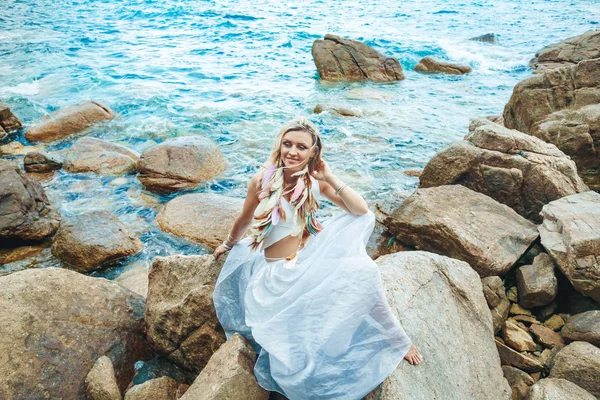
x=271 y=189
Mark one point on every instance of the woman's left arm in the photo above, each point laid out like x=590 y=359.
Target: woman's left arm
x=346 y=197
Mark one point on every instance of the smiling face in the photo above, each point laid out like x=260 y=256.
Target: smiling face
x=296 y=147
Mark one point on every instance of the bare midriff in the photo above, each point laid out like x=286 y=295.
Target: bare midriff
x=284 y=247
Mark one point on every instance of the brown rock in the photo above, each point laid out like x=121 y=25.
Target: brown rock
x=548 y=356
x=8 y=121
x=94 y=155
x=519 y=381
x=90 y=240
x=545 y=336
x=526 y=319
x=340 y=59
x=558 y=389
x=205 y=218
x=513 y=294
x=163 y=388
x=500 y=314
x=69 y=120
x=57 y=323
x=516 y=309
x=583 y=327
x=415 y=173
x=431 y=65
x=517 y=338
x=339 y=110
x=16 y=148
x=381 y=242
x=493 y=290
x=10 y=255
x=491 y=237
x=568 y=52
x=101 y=383
x=579 y=362
x=555 y=322
x=514 y=359
x=537 y=283
x=41 y=162
x=135 y=278
x=228 y=375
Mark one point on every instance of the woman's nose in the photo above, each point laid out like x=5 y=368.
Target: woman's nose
x=293 y=150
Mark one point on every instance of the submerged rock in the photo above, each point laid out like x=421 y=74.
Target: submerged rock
x=431 y=65
x=339 y=59
x=490 y=38
x=339 y=110
x=95 y=155
x=568 y=52
x=41 y=162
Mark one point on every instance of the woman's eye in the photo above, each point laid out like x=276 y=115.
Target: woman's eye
x=302 y=148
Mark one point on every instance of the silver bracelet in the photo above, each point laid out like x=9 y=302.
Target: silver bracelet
x=224 y=244
x=342 y=187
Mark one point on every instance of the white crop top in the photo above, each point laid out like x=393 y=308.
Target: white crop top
x=284 y=228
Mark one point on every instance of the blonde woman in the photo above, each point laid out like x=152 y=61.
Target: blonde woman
x=307 y=296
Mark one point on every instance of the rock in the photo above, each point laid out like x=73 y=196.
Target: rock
x=135 y=278
x=513 y=294
x=180 y=163
x=558 y=389
x=340 y=59
x=517 y=338
x=493 y=290
x=583 y=327
x=8 y=121
x=568 y=52
x=41 y=162
x=101 y=383
x=205 y=218
x=490 y=38
x=549 y=355
x=545 y=336
x=417 y=284
x=415 y=173
x=519 y=381
x=511 y=167
x=158 y=367
x=579 y=303
x=26 y=213
x=228 y=375
x=69 y=120
x=95 y=155
x=431 y=65
x=512 y=358
x=491 y=237
x=570 y=234
x=88 y=241
x=555 y=322
x=500 y=314
x=339 y=110
x=537 y=283
x=182 y=322
x=10 y=255
x=516 y=309
x=546 y=311
x=526 y=319
x=381 y=242
x=16 y=148
x=579 y=362
x=163 y=388
x=57 y=323
x=3 y=133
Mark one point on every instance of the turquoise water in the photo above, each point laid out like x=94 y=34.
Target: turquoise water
x=235 y=71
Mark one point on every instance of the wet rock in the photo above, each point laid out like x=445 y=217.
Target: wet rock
x=491 y=237
x=339 y=110
x=583 y=327
x=158 y=367
x=26 y=213
x=8 y=121
x=182 y=322
x=60 y=323
x=163 y=388
x=493 y=290
x=517 y=338
x=579 y=362
x=537 y=283
x=511 y=167
x=555 y=322
x=490 y=38
x=568 y=52
x=180 y=163
x=69 y=120
x=512 y=358
x=41 y=162
x=545 y=336
x=88 y=241
x=101 y=383
x=9 y=255
x=228 y=375
x=104 y=158
x=519 y=381
x=419 y=283
x=205 y=218
x=558 y=389
x=570 y=235
x=340 y=59
x=431 y=65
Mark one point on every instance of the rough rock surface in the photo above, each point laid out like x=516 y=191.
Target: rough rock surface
x=537 y=283
x=182 y=322
x=339 y=110
x=135 y=277
x=101 y=383
x=583 y=327
x=571 y=235
x=579 y=362
x=515 y=359
x=546 y=336
x=431 y=65
x=228 y=375
x=43 y=359
x=463 y=224
x=418 y=284
x=205 y=218
x=8 y=121
x=25 y=211
x=41 y=162
x=558 y=389
x=516 y=337
x=519 y=381
x=69 y=120
x=381 y=242
x=163 y=388
x=493 y=290
x=511 y=167
x=180 y=163
x=500 y=314
x=95 y=155
x=340 y=59
x=568 y=52
x=88 y=241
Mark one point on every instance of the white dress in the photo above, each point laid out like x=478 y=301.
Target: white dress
x=320 y=324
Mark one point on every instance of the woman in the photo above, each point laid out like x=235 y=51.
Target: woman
x=309 y=299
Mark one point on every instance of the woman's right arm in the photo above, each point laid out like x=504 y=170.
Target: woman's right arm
x=244 y=220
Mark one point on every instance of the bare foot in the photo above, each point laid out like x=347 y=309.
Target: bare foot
x=413 y=356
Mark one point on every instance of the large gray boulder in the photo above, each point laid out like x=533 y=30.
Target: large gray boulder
x=537 y=283
x=583 y=327
x=558 y=389
x=568 y=52
x=579 y=362
x=69 y=120
x=182 y=322
x=25 y=212
x=56 y=324
x=433 y=66
x=457 y=346
x=339 y=59
x=513 y=168
x=180 y=163
x=570 y=234
x=463 y=224
x=95 y=155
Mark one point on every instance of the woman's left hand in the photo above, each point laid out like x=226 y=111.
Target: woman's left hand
x=323 y=172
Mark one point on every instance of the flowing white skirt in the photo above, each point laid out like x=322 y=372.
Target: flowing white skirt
x=321 y=326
